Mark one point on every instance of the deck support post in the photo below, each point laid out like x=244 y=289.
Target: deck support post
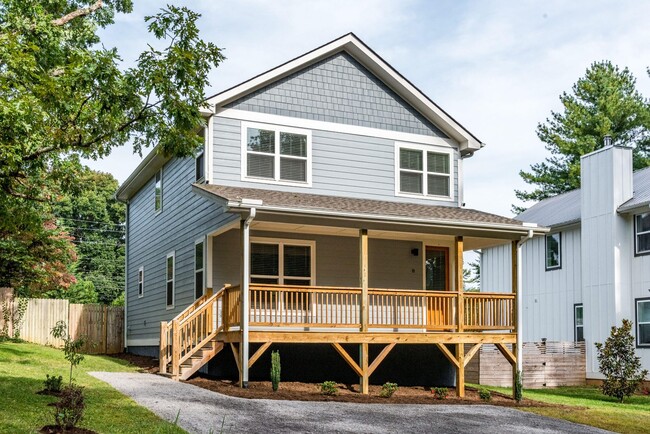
x=517 y=366
x=363 y=364
x=176 y=349
x=363 y=277
x=460 y=370
x=460 y=311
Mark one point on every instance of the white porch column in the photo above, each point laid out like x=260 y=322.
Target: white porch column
x=245 y=296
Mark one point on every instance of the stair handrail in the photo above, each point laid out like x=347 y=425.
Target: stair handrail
x=214 y=329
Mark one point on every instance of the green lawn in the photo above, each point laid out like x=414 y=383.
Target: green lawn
x=587 y=405
x=22 y=370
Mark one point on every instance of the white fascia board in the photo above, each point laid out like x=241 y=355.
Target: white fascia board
x=145 y=170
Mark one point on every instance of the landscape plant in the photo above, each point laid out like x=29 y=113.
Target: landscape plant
x=485 y=394
x=387 y=390
x=440 y=392
x=52 y=384
x=328 y=388
x=71 y=347
x=275 y=370
x=618 y=362
x=13 y=316
x=70 y=408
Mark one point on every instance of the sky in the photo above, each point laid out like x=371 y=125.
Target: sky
x=498 y=67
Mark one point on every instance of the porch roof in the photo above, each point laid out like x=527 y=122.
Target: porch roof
x=336 y=206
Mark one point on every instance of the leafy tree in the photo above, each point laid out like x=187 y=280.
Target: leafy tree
x=71 y=347
x=605 y=102
x=63 y=96
x=619 y=364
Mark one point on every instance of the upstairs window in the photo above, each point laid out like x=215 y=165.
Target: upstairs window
x=423 y=172
x=643 y=322
x=553 y=251
x=642 y=234
x=578 y=321
x=158 y=191
x=140 y=282
x=169 y=279
x=277 y=155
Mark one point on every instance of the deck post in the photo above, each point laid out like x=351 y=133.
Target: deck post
x=363 y=277
x=460 y=308
x=176 y=349
x=515 y=315
x=460 y=370
x=363 y=356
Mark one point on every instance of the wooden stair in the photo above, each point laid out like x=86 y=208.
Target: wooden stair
x=198 y=359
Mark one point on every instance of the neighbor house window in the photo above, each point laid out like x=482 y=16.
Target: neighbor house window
x=277 y=155
x=643 y=322
x=141 y=282
x=642 y=233
x=199 y=159
x=158 y=191
x=169 y=272
x=282 y=262
x=423 y=172
x=198 y=268
x=553 y=251
x=578 y=320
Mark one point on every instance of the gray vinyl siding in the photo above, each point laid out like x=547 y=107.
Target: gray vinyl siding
x=391 y=264
x=185 y=217
x=340 y=90
x=343 y=164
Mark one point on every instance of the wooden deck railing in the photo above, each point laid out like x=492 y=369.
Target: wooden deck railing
x=319 y=306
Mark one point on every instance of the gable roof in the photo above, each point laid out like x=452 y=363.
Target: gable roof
x=564 y=208
x=363 y=54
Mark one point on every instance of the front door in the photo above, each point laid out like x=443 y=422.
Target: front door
x=436 y=272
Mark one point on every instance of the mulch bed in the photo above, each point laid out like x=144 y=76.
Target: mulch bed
x=146 y=364
x=53 y=429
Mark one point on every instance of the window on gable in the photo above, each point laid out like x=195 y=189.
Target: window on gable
x=169 y=273
x=424 y=172
x=277 y=155
x=578 y=321
x=642 y=233
x=158 y=191
x=199 y=158
x=141 y=282
x=553 y=251
x=643 y=322
x=198 y=269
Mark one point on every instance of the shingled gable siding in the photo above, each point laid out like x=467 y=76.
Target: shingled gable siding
x=338 y=89
x=343 y=164
x=185 y=217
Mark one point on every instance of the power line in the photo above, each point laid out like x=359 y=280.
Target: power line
x=90 y=221
x=92 y=229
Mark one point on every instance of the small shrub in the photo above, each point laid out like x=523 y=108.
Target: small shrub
x=275 y=370
x=71 y=347
x=485 y=395
x=618 y=362
x=519 y=387
x=70 y=408
x=440 y=392
x=328 y=388
x=53 y=384
x=387 y=390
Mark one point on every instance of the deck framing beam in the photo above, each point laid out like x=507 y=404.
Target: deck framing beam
x=258 y=354
x=314 y=337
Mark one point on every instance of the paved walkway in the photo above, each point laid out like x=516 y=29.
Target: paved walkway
x=200 y=411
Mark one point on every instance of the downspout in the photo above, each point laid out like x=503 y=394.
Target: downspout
x=126 y=273
x=245 y=294
x=520 y=343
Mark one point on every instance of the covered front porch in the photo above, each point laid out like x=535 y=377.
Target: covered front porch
x=313 y=278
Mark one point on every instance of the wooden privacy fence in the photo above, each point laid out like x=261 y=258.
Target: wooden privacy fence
x=546 y=364
x=102 y=325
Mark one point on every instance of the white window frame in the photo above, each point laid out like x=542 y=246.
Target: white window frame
x=637 y=302
x=424 y=149
x=276 y=156
x=160 y=172
x=141 y=282
x=281 y=242
x=202 y=269
x=201 y=152
x=173 y=279
x=575 y=321
x=559 y=252
x=638 y=252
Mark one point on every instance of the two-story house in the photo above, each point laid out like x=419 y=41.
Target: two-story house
x=592 y=270
x=324 y=217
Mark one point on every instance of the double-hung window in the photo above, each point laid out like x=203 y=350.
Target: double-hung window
x=554 y=251
x=643 y=322
x=140 y=282
x=169 y=279
x=578 y=321
x=423 y=171
x=642 y=234
x=199 y=267
x=276 y=154
x=158 y=192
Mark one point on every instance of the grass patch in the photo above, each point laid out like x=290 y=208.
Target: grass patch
x=587 y=405
x=22 y=371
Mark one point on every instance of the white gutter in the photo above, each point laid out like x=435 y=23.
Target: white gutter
x=520 y=344
x=245 y=294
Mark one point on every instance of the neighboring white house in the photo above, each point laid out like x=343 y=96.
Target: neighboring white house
x=592 y=270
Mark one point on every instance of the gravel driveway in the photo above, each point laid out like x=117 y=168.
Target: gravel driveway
x=202 y=411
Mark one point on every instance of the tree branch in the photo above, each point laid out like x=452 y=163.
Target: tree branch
x=78 y=13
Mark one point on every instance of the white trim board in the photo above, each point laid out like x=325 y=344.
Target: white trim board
x=277 y=120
